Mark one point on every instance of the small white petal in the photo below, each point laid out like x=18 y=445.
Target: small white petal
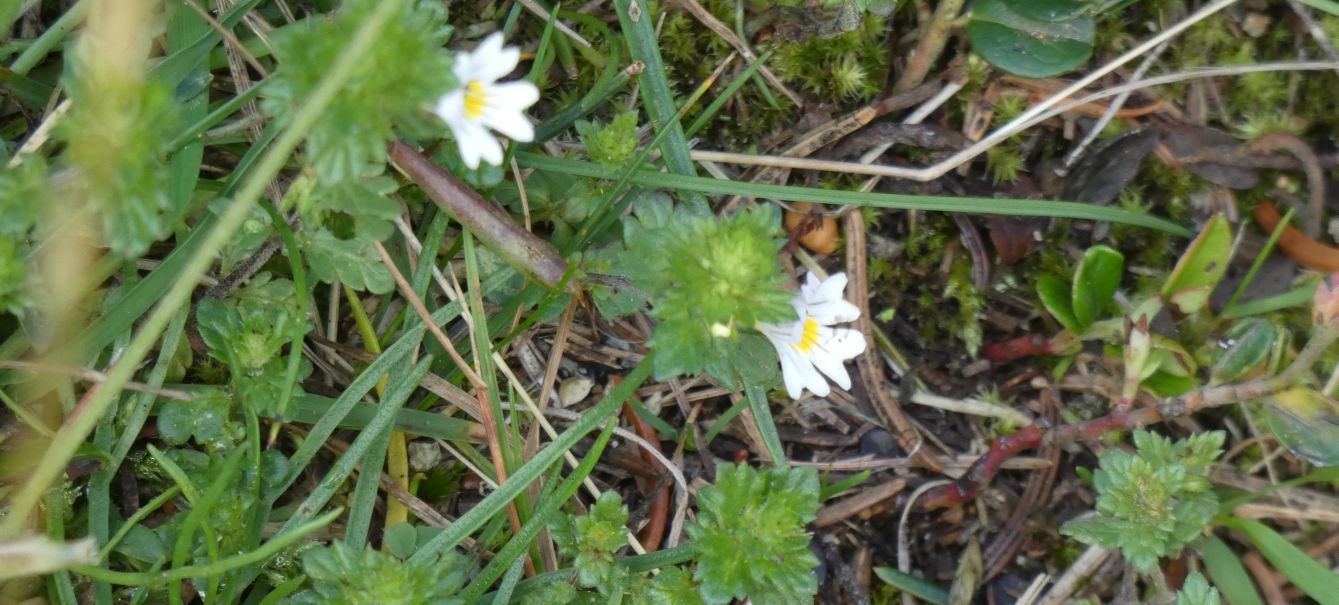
x=842 y=343
x=475 y=142
x=512 y=96
x=832 y=288
x=491 y=60
x=790 y=374
x=832 y=312
x=451 y=106
x=806 y=375
x=513 y=124
x=830 y=366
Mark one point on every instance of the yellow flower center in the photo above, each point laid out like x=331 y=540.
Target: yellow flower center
x=809 y=339
x=474 y=99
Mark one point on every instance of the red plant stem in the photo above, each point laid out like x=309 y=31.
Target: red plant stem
x=981 y=471
x=657 y=519
x=1017 y=348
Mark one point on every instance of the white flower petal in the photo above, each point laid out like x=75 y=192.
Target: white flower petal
x=790 y=374
x=842 y=343
x=832 y=288
x=805 y=374
x=491 y=60
x=475 y=142
x=831 y=366
x=451 y=107
x=512 y=96
x=514 y=126
x=832 y=312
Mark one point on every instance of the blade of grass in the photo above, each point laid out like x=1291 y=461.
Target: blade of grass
x=1002 y=206
x=725 y=96
x=1228 y=574
x=1292 y=298
x=78 y=426
x=638 y=30
x=309 y=409
x=483 y=511
x=198 y=516
x=259 y=555
x=1329 y=6
x=363 y=500
x=299 y=328
x=1260 y=258
x=611 y=80
x=396 y=395
x=913 y=585
x=1316 y=580
x=547 y=511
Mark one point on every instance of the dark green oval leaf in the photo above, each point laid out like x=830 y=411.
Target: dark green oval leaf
x=1306 y=423
x=1249 y=344
x=1025 y=46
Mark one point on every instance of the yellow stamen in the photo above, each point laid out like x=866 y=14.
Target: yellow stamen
x=809 y=339
x=474 y=99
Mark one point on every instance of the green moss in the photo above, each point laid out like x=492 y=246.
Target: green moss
x=844 y=68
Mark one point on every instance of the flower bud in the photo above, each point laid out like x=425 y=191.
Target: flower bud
x=1325 y=306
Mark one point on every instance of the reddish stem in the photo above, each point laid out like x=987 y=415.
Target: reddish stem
x=1017 y=348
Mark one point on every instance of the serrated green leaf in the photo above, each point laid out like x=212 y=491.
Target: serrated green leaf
x=1200 y=267
x=750 y=537
x=1197 y=591
x=354 y=262
x=1014 y=41
x=1055 y=296
x=1095 y=283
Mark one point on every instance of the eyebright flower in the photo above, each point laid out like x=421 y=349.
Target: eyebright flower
x=482 y=103
x=810 y=344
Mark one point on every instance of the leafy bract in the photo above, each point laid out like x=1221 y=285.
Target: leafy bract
x=344 y=575
x=705 y=277
x=1152 y=503
x=750 y=538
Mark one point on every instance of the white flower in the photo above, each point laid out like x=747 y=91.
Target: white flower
x=482 y=103
x=810 y=344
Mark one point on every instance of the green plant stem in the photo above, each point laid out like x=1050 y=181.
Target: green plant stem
x=265 y=551
x=197 y=130
x=49 y=39
x=933 y=40
x=81 y=422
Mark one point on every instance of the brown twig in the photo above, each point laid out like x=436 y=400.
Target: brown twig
x=869 y=363
x=524 y=251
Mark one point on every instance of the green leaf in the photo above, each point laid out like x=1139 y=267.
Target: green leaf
x=400 y=540
x=1249 y=345
x=1305 y=422
x=1050 y=11
x=750 y=537
x=1200 y=267
x=1197 y=591
x=1315 y=579
x=1095 y=283
x=674 y=586
x=1056 y=296
x=1228 y=574
x=353 y=262
x=1007 y=34
x=344 y=575
x=916 y=586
